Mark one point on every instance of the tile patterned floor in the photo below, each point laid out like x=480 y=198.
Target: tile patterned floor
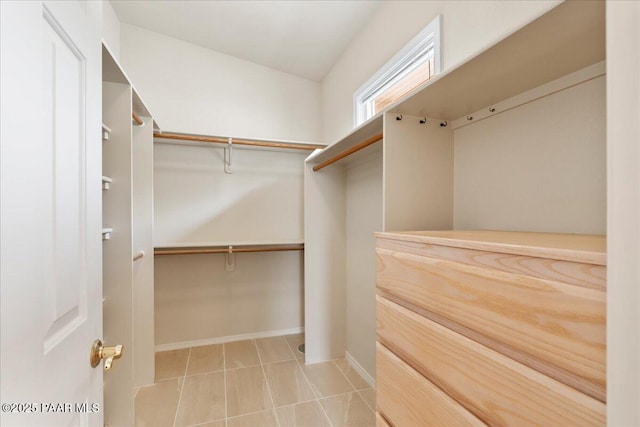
x=253 y=383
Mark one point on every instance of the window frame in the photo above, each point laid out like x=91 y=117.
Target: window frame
x=408 y=54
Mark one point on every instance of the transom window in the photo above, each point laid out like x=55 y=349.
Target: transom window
x=416 y=63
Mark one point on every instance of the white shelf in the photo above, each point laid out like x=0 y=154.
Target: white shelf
x=366 y=130
x=226 y=248
x=541 y=52
x=226 y=244
x=112 y=72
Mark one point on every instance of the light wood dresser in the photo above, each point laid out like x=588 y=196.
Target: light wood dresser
x=490 y=328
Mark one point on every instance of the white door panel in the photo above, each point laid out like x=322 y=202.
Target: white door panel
x=51 y=264
x=66 y=279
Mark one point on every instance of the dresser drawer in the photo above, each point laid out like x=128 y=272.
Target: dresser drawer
x=407 y=399
x=496 y=389
x=553 y=327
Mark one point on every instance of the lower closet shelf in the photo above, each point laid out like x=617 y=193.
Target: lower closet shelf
x=228 y=248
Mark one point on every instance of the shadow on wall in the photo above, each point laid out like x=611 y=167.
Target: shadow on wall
x=195 y=201
x=265 y=212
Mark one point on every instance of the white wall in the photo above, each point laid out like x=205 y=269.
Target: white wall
x=197 y=300
x=197 y=202
x=537 y=167
x=467 y=28
x=363 y=218
x=111 y=29
x=196 y=90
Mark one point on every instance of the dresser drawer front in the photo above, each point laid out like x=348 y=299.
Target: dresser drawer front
x=556 y=328
x=571 y=272
x=496 y=389
x=380 y=421
x=407 y=399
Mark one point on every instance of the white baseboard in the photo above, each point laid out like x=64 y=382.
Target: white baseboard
x=359 y=369
x=230 y=338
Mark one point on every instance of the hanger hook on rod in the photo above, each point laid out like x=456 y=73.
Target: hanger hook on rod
x=230 y=260
x=228 y=152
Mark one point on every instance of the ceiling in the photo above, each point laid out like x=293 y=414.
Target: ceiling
x=304 y=38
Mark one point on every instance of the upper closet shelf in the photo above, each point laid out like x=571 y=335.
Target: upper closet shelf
x=263 y=143
x=538 y=53
x=112 y=72
x=364 y=135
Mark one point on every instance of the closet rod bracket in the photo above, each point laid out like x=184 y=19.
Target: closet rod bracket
x=228 y=152
x=230 y=260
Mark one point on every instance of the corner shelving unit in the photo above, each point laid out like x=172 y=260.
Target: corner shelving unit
x=435 y=137
x=127 y=209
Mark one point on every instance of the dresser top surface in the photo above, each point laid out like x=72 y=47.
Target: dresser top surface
x=584 y=248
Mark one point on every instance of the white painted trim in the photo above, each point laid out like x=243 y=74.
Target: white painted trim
x=623 y=213
x=229 y=338
x=570 y=80
x=359 y=369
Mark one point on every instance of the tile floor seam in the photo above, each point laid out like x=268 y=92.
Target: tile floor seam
x=251 y=413
x=339 y=394
x=355 y=390
x=365 y=400
x=295 y=356
x=297 y=403
x=313 y=389
x=266 y=381
x=164 y=379
x=175 y=417
x=345 y=375
x=291 y=350
x=204 y=373
x=224 y=379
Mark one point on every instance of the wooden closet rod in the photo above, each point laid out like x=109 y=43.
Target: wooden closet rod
x=235 y=249
x=254 y=142
x=137 y=119
x=348 y=152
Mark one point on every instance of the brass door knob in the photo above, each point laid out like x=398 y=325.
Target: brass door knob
x=109 y=354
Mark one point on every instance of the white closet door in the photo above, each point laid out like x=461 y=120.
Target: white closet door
x=50 y=212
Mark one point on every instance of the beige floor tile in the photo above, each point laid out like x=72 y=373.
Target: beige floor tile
x=326 y=379
x=348 y=410
x=171 y=364
x=156 y=405
x=274 y=349
x=219 y=423
x=354 y=378
x=294 y=341
x=287 y=383
x=208 y=358
x=307 y=414
x=240 y=354
x=259 y=419
x=247 y=391
x=202 y=400
x=369 y=396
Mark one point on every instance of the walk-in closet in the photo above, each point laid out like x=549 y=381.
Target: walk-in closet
x=320 y=213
